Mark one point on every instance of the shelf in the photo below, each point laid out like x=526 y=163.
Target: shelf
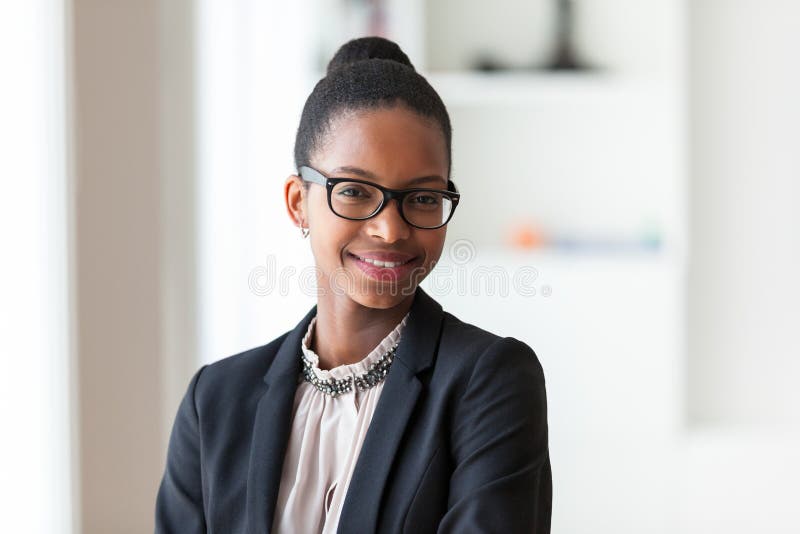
x=469 y=88
x=471 y=256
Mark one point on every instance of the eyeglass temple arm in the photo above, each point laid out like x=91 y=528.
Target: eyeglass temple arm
x=452 y=186
x=310 y=175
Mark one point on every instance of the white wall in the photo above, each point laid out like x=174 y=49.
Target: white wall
x=740 y=465
x=35 y=227
x=744 y=289
x=254 y=74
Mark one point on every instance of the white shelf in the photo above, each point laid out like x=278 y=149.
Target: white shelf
x=519 y=87
x=469 y=259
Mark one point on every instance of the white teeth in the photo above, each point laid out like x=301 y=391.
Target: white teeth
x=379 y=263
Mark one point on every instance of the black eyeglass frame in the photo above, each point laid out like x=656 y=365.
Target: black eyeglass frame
x=309 y=174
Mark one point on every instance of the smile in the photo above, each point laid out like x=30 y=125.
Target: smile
x=379 y=263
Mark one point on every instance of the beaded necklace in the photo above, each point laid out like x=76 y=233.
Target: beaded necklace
x=337 y=386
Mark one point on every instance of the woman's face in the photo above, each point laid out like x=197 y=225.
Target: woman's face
x=391 y=147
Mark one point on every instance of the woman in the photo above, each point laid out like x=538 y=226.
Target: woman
x=379 y=411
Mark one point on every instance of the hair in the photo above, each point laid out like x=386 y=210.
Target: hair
x=367 y=73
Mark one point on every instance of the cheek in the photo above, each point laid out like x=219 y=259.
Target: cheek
x=433 y=241
x=321 y=219
x=330 y=235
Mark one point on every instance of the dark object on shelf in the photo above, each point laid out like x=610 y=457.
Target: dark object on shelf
x=487 y=63
x=564 y=55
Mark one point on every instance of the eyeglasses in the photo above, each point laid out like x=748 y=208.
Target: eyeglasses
x=358 y=200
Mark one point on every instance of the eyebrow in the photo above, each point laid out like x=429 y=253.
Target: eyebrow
x=370 y=176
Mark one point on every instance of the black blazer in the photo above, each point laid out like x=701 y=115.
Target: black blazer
x=457 y=443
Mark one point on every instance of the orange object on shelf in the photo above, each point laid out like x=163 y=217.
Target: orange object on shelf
x=525 y=235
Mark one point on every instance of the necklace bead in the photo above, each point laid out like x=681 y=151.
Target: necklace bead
x=338 y=386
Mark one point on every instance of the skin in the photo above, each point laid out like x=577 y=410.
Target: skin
x=354 y=312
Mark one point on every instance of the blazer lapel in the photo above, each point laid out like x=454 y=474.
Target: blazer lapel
x=272 y=428
x=401 y=388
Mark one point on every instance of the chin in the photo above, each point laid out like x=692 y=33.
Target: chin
x=383 y=298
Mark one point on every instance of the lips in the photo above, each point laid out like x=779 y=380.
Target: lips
x=385 y=266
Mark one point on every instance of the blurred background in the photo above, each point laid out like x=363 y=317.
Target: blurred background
x=629 y=174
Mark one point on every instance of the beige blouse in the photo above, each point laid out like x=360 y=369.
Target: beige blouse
x=326 y=438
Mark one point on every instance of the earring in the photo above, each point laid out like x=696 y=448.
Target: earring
x=305 y=231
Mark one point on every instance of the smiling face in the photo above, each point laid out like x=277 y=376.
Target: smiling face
x=393 y=147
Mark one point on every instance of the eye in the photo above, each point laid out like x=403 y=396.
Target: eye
x=353 y=191
x=424 y=199
x=350 y=192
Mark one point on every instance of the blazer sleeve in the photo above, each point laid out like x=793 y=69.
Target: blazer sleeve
x=501 y=480
x=179 y=504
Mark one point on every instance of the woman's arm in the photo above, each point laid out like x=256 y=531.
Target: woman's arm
x=179 y=505
x=502 y=480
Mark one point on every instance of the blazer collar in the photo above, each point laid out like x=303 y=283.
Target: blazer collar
x=272 y=426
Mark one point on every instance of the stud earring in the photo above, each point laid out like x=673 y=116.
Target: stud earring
x=305 y=231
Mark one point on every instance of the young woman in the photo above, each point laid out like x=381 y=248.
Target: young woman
x=380 y=411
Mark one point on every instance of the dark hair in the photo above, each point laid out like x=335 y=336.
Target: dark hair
x=367 y=73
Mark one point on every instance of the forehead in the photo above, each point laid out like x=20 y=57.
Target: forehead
x=394 y=144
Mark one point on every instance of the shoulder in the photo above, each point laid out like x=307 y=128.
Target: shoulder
x=238 y=373
x=470 y=347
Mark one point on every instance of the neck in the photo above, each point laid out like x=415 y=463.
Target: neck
x=346 y=331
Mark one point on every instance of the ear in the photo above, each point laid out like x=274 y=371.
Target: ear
x=295 y=195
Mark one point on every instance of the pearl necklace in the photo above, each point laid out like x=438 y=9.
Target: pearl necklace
x=338 y=386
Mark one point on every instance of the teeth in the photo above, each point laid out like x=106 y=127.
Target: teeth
x=379 y=263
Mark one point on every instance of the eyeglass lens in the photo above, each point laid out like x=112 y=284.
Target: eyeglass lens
x=422 y=208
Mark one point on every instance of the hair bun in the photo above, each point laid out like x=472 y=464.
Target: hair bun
x=365 y=48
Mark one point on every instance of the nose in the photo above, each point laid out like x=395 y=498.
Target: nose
x=388 y=224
